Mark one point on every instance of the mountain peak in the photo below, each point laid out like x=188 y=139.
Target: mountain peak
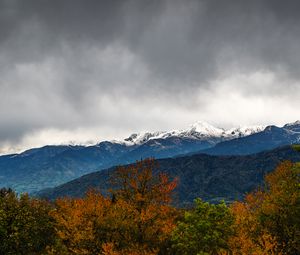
x=205 y=128
x=199 y=130
x=297 y=122
x=293 y=127
x=244 y=131
x=140 y=138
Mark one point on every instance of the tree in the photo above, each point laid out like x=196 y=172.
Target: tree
x=137 y=219
x=77 y=221
x=250 y=238
x=204 y=230
x=25 y=224
x=147 y=194
x=280 y=211
x=268 y=221
x=139 y=185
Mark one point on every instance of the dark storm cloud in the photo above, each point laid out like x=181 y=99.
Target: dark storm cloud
x=185 y=40
x=181 y=38
x=86 y=63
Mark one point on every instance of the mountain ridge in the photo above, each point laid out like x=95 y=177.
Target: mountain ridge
x=49 y=166
x=198 y=130
x=271 y=137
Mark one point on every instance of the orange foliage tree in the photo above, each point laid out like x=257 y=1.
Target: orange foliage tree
x=137 y=219
x=77 y=221
x=268 y=221
x=147 y=195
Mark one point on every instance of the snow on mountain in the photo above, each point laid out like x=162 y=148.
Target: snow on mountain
x=297 y=122
x=141 y=138
x=244 y=131
x=293 y=127
x=199 y=130
x=204 y=129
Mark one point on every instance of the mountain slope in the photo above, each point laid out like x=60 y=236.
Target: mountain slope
x=271 y=137
x=209 y=177
x=50 y=166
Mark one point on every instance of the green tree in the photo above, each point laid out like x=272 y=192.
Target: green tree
x=204 y=230
x=25 y=224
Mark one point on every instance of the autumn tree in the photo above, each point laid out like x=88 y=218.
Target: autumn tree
x=136 y=219
x=204 y=230
x=147 y=194
x=251 y=238
x=141 y=184
x=80 y=223
x=268 y=221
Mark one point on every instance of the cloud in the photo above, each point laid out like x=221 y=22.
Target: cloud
x=105 y=69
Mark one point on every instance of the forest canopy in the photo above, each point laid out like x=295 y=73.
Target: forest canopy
x=138 y=217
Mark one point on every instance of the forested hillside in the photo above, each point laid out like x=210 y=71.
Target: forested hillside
x=210 y=177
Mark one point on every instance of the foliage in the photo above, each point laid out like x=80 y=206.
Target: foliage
x=204 y=230
x=140 y=186
x=147 y=195
x=25 y=224
x=77 y=220
x=268 y=221
x=136 y=220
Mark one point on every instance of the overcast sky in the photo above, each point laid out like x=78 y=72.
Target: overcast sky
x=92 y=70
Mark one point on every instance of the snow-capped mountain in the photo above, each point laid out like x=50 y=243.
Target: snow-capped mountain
x=50 y=166
x=270 y=138
x=199 y=130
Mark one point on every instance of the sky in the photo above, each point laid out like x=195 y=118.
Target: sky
x=83 y=71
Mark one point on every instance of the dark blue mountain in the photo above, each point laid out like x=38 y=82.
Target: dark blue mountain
x=50 y=165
